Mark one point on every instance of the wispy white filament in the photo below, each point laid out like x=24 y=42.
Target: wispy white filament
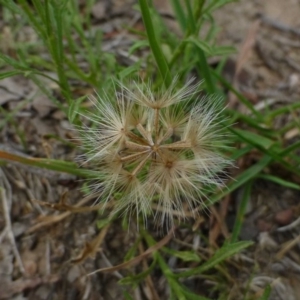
x=155 y=149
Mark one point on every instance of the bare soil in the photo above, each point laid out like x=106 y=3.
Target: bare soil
x=46 y=254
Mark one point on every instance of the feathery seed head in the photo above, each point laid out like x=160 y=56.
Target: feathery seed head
x=155 y=150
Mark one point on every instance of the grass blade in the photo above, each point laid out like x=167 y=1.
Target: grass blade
x=220 y=255
x=241 y=179
x=179 y=14
x=154 y=45
x=49 y=164
x=280 y=181
x=241 y=212
x=266 y=294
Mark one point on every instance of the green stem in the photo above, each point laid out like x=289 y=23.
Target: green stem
x=50 y=164
x=204 y=69
x=154 y=45
x=198 y=10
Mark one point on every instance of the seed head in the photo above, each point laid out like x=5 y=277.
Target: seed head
x=156 y=151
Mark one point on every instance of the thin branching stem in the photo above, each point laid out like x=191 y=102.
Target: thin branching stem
x=133 y=156
x=136 y=147
x=156 y=124
x=177 y=145
x=136 y=138
x=167 y=135
x=145 y=134
x=140 y=165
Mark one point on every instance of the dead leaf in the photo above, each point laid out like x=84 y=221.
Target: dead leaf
x=10 y=90
x=43 y=105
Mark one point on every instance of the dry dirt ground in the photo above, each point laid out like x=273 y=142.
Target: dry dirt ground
x=42 y=250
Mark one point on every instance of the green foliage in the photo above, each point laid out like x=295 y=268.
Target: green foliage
x=227 y=251
x=156 y=49
x=241 y=212
x=266 y=294
x=66 y=39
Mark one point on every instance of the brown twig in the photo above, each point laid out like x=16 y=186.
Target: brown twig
x=137 y=259
x=91 y=248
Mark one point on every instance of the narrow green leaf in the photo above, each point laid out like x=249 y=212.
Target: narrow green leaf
x=184 y=255
x=282 y=110
x=241 y=212
x=190 y=18
x=179 y=13
x=272 y=151
x=266 y=294
x=74 y=108
x=9 y=74
x=222 y=50
x=254 y=138
x=251 y=121
x=215 y=4
x=132 y=250
x=199 y=43
x=220 y=255
x=155 y=47
x=241 y=179
x=102 y=223
x=203 y=67
x=280 y=181
x=36 y=19
x=290 y=148
x=127 y=296
x=240 y=152
x=138 y=45
x=135 y=279
x=128 y=71
x=50 y=164
x=13 y=62
x=192 y=296
x=198 y=7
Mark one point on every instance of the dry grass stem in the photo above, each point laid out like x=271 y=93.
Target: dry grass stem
x=6 y=204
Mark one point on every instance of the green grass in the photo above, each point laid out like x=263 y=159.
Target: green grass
x=66 y=38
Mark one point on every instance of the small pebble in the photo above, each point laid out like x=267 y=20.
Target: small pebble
x=284 y=217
